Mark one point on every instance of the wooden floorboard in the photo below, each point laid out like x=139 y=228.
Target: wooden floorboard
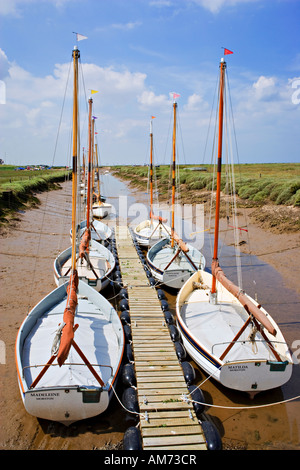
x=167 y=421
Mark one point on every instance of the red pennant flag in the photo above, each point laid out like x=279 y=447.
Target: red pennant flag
x=227 y=51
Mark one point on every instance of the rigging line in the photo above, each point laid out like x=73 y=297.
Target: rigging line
x=168 y=136
x=210 y=119
x=65 y=218
x=61 y=114
x=230 y=184
x=44 y=213
x=229 y=117
x=181 y=138
x=213 y=163
x=240 y=176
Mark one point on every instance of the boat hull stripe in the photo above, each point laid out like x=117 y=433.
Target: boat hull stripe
x=197 y=347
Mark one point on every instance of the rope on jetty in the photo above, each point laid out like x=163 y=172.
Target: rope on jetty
x=143 y=416
x=184 y=398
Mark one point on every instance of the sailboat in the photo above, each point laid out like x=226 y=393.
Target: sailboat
x=226 y=332
x=69 y=376
x=153 y=229
x=171 y=260
x=95 y=262
x=100 y=232
x=100 y=208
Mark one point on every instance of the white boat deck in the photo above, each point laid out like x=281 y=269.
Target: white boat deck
x=89 y=336
x=158 y=232
x=215 y=326
x=163 y=257
x=99 y=263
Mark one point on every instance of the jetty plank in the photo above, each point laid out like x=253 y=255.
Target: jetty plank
x=168 y=421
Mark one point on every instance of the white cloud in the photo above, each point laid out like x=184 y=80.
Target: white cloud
x=150 y=100
x=215 y=6
x=29 y=120
x=265 y=88
x=126 y=26
x=14 y=7
x=160 y=3
x=4 y=64
x=193 y=102
x=34 y=105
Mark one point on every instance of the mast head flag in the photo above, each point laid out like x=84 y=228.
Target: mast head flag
x=79 y=37
x=175 y=95
x=226 y=51
x=152 y=117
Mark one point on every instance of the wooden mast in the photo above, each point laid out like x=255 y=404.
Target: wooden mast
x=173 y=173
x=76 y=55
x=98 y=174
x=151 y=171
x=88 y=208
x=93 y=161
x=219 y=167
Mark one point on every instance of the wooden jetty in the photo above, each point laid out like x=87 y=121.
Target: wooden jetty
x=168 y=422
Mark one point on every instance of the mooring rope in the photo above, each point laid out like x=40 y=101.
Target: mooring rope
x=126 y=409
x=184 y=398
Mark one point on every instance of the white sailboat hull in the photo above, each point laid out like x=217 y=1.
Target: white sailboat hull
x=101 y=210
x=207 y=330
x=161 y=254
x=149 y=232
x=102 y=260
x=100 y=232
x=71 y=392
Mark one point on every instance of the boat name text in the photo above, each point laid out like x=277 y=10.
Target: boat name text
x=45 y=395
x=237 y=368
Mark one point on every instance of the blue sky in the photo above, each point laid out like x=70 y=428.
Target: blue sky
x=136 y=54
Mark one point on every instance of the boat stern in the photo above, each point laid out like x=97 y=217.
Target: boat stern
x=255 y=376
x=66 y=405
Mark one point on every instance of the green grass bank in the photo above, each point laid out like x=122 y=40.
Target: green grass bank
x=18 y=188
x=256 y=184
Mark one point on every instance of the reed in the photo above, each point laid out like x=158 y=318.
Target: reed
x=257 y=184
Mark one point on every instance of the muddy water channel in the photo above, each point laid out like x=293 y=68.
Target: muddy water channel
x=26 y=275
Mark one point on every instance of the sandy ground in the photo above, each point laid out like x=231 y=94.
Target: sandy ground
x=26 y=275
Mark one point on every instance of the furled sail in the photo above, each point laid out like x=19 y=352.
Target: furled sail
x=68 y=319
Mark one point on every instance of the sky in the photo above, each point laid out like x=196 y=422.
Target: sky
x=137 y=53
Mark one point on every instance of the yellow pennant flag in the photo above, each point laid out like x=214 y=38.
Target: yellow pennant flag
x=94 y=91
